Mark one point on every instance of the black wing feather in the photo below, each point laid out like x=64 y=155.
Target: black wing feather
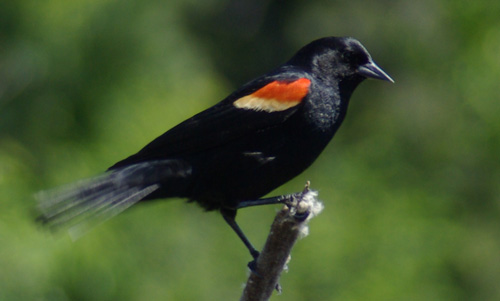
x=214 y=127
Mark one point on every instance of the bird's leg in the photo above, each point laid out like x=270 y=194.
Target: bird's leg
x=290 y=200
x=281 y=199
x=229 y=216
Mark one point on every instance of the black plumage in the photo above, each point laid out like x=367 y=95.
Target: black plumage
x=256 y=139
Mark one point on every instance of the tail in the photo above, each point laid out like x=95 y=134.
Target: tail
x=82 y=205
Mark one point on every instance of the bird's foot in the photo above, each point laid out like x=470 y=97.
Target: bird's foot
x=252 y=265
x=292 y=201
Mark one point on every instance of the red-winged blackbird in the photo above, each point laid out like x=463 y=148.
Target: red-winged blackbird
x=228 y=156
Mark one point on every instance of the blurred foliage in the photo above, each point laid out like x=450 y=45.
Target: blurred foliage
x=411 y=183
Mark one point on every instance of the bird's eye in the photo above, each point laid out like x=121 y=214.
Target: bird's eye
x=347 y=56
x=354 y=57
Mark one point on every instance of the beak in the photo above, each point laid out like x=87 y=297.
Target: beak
x=371 y=70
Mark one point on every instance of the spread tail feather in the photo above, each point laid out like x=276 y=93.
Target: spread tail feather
x=82 y=205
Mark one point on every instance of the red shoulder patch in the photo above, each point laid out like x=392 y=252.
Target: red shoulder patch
x=275 y=96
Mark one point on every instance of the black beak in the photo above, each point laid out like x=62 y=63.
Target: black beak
x=371 y=70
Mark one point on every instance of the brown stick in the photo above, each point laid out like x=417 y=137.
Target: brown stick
x=289 y=224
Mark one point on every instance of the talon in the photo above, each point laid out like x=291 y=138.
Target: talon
x=291 y=199
x=252 y=265
x=301 y=216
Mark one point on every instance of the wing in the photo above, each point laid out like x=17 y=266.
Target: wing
x=257 y=106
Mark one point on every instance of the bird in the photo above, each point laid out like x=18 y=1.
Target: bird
x=230 y=155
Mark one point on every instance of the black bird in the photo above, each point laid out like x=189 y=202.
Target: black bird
x=230 y=155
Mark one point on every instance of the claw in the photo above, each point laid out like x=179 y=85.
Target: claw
x=252 y=265
x=301 y=216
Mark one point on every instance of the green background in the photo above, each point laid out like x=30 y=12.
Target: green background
x=411 y=182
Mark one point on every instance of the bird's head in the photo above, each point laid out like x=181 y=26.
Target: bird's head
x=342 y=59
